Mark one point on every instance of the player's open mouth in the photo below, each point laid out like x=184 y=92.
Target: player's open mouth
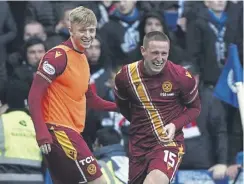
x=158 y=64
x=86 y=41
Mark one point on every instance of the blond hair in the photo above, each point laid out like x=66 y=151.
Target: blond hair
x=82 y=15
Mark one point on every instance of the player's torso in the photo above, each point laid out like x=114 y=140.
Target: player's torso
x=154 y=101
x=66 y=99
x=75 y=78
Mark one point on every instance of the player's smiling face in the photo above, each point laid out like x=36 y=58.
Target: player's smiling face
x=83 y=35
x=155 y=56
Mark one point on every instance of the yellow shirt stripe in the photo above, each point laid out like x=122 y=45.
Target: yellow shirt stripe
x=142 y=95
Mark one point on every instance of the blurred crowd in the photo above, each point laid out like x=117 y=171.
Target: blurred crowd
x=200 y=33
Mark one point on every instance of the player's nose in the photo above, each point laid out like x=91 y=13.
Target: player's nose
x=160 y=57
x=87 y=34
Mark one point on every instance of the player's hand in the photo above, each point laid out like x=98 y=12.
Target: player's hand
x=45 y=148
x=233 y=170
x=170 y=130
x=218 y=170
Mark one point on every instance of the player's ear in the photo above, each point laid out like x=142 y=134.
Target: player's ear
x=143 y=50
x=70 y=31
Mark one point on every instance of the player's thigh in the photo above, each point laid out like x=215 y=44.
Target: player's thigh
x=166 y=160
x=100 y=180
x=70 y=159
x=156 y=177
x=137 y=170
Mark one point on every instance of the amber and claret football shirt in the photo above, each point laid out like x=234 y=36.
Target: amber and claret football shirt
x=155 y=101
x=61 y=91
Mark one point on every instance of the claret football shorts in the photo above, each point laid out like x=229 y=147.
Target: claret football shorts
x=70 y=160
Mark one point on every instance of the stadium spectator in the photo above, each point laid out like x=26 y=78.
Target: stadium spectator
x=235 y=131
x=111 y=156
x=170 y=14
x=209 y=36
x=62 y=27
x=103 y=10
x=41 y=11
x=121 y=32
x=34 y=49
x=34 y=29
x=207 y=41
x=153 y=21
x=8 y=32
x=21 y=158
x=206 y=137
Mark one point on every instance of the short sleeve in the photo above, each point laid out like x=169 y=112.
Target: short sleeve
x=52 y=64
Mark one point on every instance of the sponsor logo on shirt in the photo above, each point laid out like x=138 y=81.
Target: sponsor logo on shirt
x=188 y=74
x=57 y=54
x=167 y=86
x=48 y=68
x=167 y=94
x=92 y=169
x=87 y=160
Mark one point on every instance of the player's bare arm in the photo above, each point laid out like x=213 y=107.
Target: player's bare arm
x=48 y=70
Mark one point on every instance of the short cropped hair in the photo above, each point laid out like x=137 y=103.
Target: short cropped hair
x=154 y=36
x=82 y=15
x=108 y=136
x=30 y=42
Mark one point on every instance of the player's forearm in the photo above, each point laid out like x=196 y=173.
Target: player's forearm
x=97 y=103
x=35 y=102
x=189 y=115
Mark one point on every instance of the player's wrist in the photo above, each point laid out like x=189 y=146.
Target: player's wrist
x=41 y=140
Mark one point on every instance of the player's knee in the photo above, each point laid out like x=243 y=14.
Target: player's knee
x=100 y=180
x=156 y=177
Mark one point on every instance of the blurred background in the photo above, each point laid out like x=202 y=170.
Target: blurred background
x=200 y=33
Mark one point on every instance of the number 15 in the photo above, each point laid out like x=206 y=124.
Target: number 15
x=169 y=158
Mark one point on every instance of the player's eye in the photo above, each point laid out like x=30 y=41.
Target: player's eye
x=82 y=30
x=155 y=53
x=92 y=30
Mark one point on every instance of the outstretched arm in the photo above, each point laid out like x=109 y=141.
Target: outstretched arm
x=97 y=103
